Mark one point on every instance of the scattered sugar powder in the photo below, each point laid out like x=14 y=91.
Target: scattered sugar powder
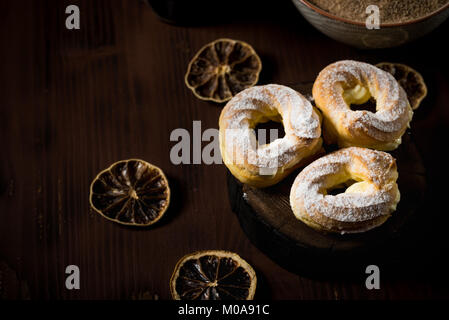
x=392 y=115
x=299 y=119
x=346 y=207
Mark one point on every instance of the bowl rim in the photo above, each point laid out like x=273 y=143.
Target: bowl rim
x=382 y=25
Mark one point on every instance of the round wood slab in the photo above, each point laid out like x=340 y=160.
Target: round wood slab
x=268 y=221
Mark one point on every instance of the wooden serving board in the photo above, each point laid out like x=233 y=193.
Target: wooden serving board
x=267 y=219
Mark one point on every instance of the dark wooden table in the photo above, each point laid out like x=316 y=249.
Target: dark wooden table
x=75 y=101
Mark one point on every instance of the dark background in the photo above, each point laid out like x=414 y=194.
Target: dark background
x=74 y=101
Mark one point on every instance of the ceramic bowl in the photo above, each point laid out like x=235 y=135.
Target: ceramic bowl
x=358 y=35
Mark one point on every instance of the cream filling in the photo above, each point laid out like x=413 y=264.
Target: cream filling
x=357 y=95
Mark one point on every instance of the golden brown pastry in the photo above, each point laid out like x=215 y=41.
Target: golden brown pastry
x=350 y=82
x=267 y=164
x=369 y=200
x=409 y=79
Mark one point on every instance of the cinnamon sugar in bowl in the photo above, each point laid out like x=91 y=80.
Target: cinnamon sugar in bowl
x=400 y=21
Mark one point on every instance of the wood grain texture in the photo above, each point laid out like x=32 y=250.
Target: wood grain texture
x=267 y=218
x=74 y=102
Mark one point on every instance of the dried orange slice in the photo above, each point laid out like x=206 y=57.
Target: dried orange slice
x=131 y=192
x=410 y=79
x=223 y=68
x=213 y=275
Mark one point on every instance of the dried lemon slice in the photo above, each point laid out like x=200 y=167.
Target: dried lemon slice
x=410 y=79
x=223 y=68
x=213 y=275
x=131 y=192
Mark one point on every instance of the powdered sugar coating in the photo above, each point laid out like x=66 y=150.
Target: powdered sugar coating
x=393 y=113
x=258 y=104
x=376 y=169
